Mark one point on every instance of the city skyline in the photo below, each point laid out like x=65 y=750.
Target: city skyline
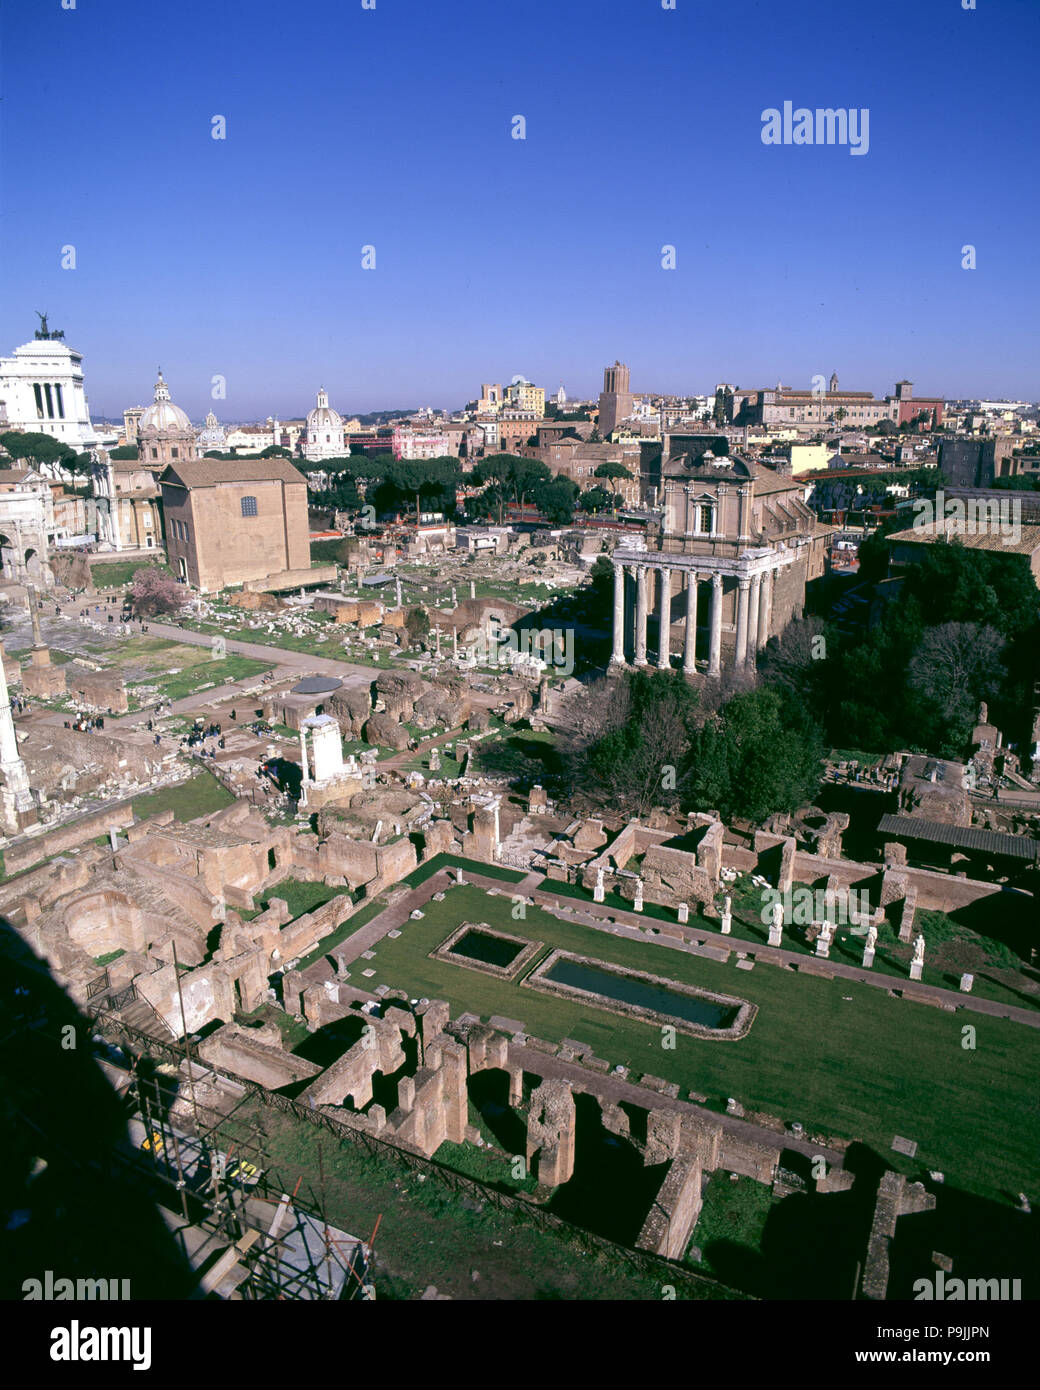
x=544 y=253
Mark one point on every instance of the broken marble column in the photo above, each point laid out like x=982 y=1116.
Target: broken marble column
x=638 y=903
x=598 y=890
x=823 y=941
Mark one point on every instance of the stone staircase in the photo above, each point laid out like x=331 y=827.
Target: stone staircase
x=133 y=1009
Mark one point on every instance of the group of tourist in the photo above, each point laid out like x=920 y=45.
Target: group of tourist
x=201 y=737
x=84 y=724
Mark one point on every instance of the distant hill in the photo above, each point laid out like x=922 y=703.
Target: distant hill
x=380 y=417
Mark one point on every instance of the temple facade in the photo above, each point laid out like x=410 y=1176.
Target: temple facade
x=724 y=570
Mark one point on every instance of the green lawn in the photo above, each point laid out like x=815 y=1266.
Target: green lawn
x=430 y=1234
x=345 y=929
x=445 y=861
x=293 y=1033
x=844 y=1059
x=206 y=673
x=301 y=895
x=113 y=574
x=734 y=1213
x=893 y=956
x=201 y=795
x=109 y=957
x=492 y=1167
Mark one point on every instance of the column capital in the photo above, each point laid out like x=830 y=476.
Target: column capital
x=716 y=581
x=744 y=581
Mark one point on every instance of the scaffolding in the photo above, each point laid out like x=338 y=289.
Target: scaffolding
x=245 y=1234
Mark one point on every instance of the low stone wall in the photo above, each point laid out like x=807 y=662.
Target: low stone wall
x=17 y=858
x=895 y=1198
x=670 y=1222
x=752 y=1160
x=293 y=579
x=269 y=1066
x=304 y=934
x=97 y=689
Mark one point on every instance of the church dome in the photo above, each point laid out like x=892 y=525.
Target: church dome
x=164 y=417
x=213 y=434
x=323 y=417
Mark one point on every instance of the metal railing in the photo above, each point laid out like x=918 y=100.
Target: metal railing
x=98 y=986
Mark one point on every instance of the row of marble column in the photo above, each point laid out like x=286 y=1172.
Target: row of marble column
x=754 y=612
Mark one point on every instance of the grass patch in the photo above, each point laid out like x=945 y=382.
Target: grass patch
x=855 y=755
x=293 y=1033
x=947 y=942
x=342 y=932
x=615 y=900
x=490 y=1166
x=301 y=895
x=113 y=574
x=177 y=669
x=734 y=1213
x=109 y=958
x=455 y=861
x=844 y=1059
x=429 y=1234
x=201 y=795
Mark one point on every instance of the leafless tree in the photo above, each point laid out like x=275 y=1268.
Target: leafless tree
x=955 y=666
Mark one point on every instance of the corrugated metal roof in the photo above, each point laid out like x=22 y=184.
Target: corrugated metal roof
x=968 y=837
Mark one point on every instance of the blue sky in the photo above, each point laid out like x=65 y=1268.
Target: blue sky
x=495 y=256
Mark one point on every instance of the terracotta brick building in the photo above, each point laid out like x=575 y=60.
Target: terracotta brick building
x=236 y=520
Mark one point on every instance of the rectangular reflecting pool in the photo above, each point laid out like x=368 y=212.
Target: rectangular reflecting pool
x=628 y=990
x=478 y=946
x=491 y=950
x=642 y=995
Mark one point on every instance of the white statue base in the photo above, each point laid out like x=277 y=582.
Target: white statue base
x=684 y=912
x=868 y=957
x=776 y=936
x=727 y=924
x=916 y=968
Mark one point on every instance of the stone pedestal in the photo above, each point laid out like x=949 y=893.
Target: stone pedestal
x=966 y=983
x=598 y=890
x=684 y=912
x=776 y=935
x=916 y=969
x=637 y=905
x=868 y=957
